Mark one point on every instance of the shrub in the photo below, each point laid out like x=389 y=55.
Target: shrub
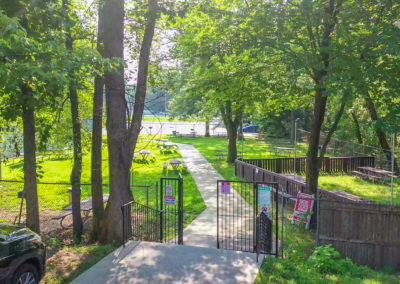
x=327 y=260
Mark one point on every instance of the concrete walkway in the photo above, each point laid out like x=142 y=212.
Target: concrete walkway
x=203 y=230
x=197 y=261
x=144 y=262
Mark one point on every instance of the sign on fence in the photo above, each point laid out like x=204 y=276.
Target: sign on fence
x=303 y=207
x=170 y=200
x=264 y=198
x=168 y=190
x=225 y=187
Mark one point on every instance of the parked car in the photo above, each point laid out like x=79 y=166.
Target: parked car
x=250 y=128
x=22 y=255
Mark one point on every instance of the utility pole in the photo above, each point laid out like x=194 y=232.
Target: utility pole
x=165 y=104
x=392 y=166
x=295 y=148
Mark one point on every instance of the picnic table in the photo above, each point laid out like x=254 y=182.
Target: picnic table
x=175 y=163
x=220 y=153
x=374 y=173
x=193 y=134
x=287 y=150
x=86 y=207
x=144 y=153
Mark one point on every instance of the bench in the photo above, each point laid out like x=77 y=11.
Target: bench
x=165 y=167
x=358 y=174
x=153 y=156
x=61 y=217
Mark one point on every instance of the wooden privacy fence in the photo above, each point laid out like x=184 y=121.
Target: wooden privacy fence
x=329 y=164
x=366 y=232
x=254 y=173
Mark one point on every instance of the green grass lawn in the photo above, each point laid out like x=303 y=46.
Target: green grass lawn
x=303 y=262
x=366 y=189
x=252 y=148
x=56 y=170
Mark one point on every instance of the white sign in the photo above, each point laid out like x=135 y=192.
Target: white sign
x=264 y=195
x=264 y=198
x=168 y=190
x=170 y=200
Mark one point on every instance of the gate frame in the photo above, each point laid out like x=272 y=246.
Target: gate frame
x=179 y=209
x=275 y=192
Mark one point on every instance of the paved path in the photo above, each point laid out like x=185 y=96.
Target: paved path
x=197 y=261
x=153 y=263
x=203 y=230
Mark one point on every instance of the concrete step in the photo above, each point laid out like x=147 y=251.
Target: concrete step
x=145 y=262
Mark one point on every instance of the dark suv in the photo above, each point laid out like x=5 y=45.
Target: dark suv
x=22 y=256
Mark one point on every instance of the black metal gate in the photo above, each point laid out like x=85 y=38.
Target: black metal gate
x=171 y=206
x=247 y=216
x=164 y=223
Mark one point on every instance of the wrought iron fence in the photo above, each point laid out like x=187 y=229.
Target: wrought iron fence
x=141 y=222
x=238 y=206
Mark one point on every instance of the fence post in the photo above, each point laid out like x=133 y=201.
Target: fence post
x=180 y=217
x=279 y=165
x=217 y=215
x=156 y=195
x=123 y=225
x=318 y=219
x=161 y=212
x=327 y=164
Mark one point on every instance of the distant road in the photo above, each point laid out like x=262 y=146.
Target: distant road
x=166 y=127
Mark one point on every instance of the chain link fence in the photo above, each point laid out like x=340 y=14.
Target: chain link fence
x=52 y=198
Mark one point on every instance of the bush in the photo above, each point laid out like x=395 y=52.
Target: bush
x=327 y=260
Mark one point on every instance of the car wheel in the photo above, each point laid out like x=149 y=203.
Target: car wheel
x=26 y=274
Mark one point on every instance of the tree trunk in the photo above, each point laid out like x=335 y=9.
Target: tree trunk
x=240 y=134
x=30 y=178
x=144 y=58
x=77 y=167
x=319 y=74
x=76 y=137
x=207 y=134
x=332 y=129
x=117 y=134
x=357 y=126
x=97 y=137
x=231 y=123
x=379 y=132
x=312 y=171
x=232 y=148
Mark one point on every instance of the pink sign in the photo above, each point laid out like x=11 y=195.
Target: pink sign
x=225 y=187
x=303 y=207
x=168 y=190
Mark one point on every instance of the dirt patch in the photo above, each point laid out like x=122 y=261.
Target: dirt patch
x=66 y=263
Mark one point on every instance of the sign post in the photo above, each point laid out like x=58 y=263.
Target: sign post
x=303 y=207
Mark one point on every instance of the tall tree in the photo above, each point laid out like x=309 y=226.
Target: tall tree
x=97 y=135
x=76 y=132
x=122 y=134
x=32 y=78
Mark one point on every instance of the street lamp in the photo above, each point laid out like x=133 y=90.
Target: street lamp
x=295 y=148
